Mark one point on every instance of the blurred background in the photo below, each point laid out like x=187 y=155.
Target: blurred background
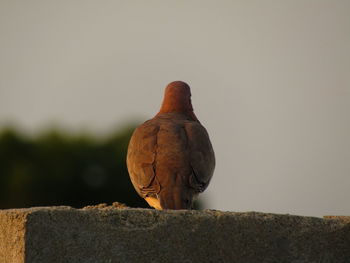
x=270 y=81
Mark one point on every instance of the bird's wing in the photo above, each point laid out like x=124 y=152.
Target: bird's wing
x=141 y=157
x=202 y=156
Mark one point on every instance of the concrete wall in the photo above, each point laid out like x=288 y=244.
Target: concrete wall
x=108 y=234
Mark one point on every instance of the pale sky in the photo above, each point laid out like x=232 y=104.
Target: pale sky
x=270 y=81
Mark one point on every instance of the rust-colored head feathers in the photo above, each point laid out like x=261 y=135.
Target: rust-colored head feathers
x=177 y=98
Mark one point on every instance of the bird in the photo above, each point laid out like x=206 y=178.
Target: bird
x=170 y=158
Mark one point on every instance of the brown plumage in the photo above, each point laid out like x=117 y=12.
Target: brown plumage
x=170 y=157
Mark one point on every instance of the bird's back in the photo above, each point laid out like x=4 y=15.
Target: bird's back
x=170 y=158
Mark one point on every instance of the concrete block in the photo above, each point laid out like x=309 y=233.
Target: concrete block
x=106 y=234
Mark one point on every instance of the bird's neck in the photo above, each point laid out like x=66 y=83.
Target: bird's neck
x=178 y=105
x=188 y=113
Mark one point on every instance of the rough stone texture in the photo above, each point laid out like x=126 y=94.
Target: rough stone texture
x=103 y=234
x=12 y=229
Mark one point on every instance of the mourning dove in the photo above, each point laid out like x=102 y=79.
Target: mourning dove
x=170 y=157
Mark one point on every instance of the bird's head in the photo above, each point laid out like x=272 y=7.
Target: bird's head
x=177 y=98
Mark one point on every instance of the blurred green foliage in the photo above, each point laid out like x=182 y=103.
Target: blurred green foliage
x=58 y=168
